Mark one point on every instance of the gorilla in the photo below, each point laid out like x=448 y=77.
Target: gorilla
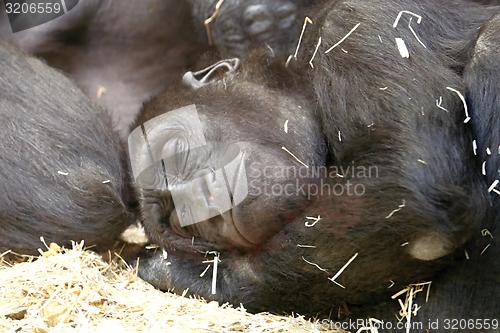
x=367 y=166
x=122 y=53
x=396 y=101
x=64 y=173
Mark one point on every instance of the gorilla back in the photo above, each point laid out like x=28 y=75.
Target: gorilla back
x=61 y=169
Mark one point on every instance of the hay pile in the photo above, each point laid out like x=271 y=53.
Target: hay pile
x=76 y=290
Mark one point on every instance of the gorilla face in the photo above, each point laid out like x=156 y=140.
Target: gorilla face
x=227 y=170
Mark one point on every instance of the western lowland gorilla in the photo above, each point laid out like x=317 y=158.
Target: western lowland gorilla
x=232 y=175
x=122 y=53
x=62 y=169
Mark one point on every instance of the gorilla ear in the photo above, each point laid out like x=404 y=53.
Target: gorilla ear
x=224 y=69
x=430 y=247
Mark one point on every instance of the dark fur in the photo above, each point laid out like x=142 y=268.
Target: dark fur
x=132 y=49
x=243 y=25
x=48 y=125
x=423 y=154
x=136 y=49
x=446 y=197
x=448 y=194
x=407 y=125
x=470 y=289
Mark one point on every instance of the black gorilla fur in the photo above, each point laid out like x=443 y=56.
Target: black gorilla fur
x=63 y=171
x=376 y=109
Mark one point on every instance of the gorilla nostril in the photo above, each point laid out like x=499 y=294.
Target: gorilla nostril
x=258 y=19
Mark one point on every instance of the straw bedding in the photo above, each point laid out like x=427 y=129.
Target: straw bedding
x=80 y=291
